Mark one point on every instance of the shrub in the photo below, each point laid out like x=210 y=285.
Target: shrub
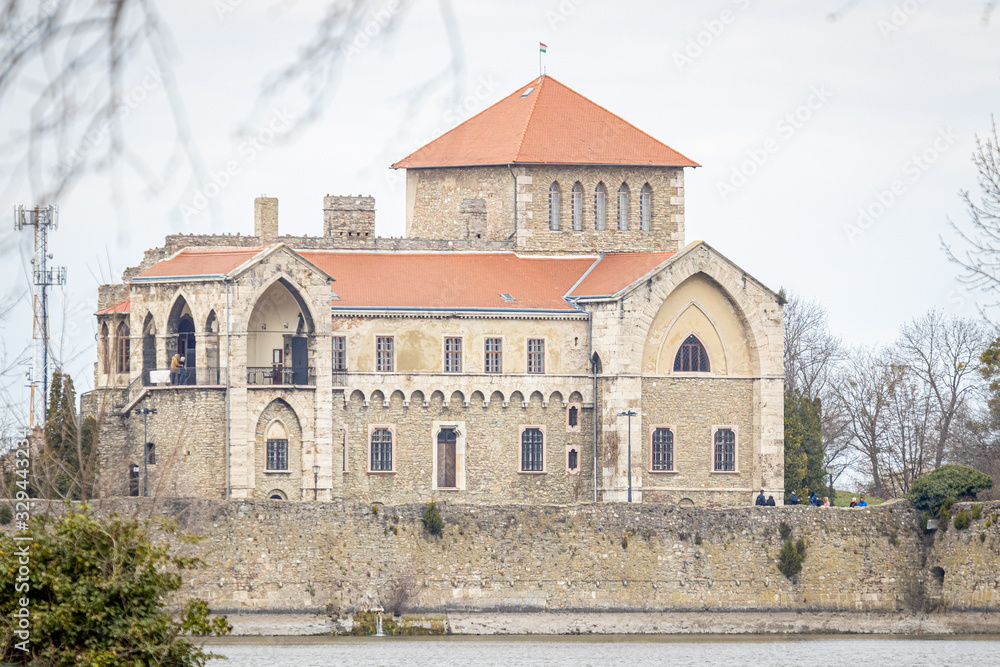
x=624 y=540
x=977 y=511
x=982 y=537
x=375 y=510
x=697 y=538
x=6 y=516
x=944 y=518
x=97 y=593
x=791 y=557
x=949 y=482
x=962 y=520
x=785 y=530
x=432 y=519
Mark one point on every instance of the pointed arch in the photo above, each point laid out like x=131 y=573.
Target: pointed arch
x=646 y=208
x=554 y=195
x=123 y=347
x=105 y=348
x=212 y=322
x=600 y=207
x=623 y=203
x=576 y=207
x=691 y=357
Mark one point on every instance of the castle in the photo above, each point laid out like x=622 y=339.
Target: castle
x=542 y=320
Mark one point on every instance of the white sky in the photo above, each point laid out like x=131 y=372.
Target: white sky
x=884 y=85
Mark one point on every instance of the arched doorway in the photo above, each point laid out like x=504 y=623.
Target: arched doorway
x=186 y=350
x=447 y=459
x=279 y=335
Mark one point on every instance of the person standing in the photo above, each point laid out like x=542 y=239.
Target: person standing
x=826 y=501
x=793 y=499
x=813 y=499
x=770 y=501
x=854 y=502
x=175 y=369
x=761 y=501
x=861 y=502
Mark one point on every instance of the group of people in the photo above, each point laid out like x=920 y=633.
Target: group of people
x=813 y=500
x=178 y=373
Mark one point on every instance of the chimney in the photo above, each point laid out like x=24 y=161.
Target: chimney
x=265 y=218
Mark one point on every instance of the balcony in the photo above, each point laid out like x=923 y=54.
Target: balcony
x=281 y=375
x=212 y=376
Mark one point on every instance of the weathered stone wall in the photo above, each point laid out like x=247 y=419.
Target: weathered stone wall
x=273 y=555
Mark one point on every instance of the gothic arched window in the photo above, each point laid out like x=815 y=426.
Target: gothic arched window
x=645 y=208
x=554 y=206
x=123 y=347
x=623 y=193
x=691 y=357
x=600 y=207
x=577 y=207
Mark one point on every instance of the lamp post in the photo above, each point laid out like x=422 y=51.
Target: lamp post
x=833 y=494
x=145 y=412
x=315 y=482
x=629 y=414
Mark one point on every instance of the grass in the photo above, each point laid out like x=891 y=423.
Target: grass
x=843 y=498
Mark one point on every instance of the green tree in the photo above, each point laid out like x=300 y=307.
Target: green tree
x=804 y=455
x=795 y=456
x=947 y=484
x=95 y=592
x=65 y=467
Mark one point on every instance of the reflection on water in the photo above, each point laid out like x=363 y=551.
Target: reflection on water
x=635 y=651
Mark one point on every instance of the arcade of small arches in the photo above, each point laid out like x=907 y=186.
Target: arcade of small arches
x=600 y=196
x=420 y=398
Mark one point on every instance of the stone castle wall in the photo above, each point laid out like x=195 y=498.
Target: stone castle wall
x=284 y=556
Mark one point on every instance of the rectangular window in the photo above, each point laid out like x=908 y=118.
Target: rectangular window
x=340 y=353
x=277 y=454
x=381 y=448
x=452 y=355
x=383 y=354
x=663 y=449
x=494 y=356
x=536 y=355
x=532 y=450
x=725 y=450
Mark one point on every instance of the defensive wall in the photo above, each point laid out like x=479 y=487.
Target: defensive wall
x=592 y=567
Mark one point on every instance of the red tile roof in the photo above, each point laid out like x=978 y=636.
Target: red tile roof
x=122 y=307
x=616 y=271
x=201 y=262
x=552 y=124
x=450 y=280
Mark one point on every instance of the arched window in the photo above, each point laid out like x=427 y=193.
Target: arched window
x=663 y=449
x=574 y=416
x=105 y=350
x=725 y=450
x=123 y=347
x=133 y=479
x=532 y=450
x=554 y=206
x=150 y=453
x=277 y=447
x=276 y=494
x=381 y=450
x=600 y=207
x=623 y=193
x=691 y=357
x=572 y=459
x=577 y=207
x=645 y=208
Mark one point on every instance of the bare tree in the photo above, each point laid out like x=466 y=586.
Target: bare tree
x=979 y=256
x=811 y=351
x=943 y=353
x=908 y=447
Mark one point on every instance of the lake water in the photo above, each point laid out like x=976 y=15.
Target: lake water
x=593 y=651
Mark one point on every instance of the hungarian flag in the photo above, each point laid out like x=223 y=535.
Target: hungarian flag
x=542 y=47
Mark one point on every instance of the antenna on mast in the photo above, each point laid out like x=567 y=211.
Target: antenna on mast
x=42 y=277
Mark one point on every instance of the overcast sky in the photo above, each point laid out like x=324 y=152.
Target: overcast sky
x=833 y=150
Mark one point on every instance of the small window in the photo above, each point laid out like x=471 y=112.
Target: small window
x=133 y=479
x=536 y=355
x=646 y=208
x=509 y=298
x=623 y=193
x=276 y=495
x=105 y=354
x=572 y=459
x=124 y=345
x=384 y=354
x=554 y=206
x=532 y=450
x=452 y=355
x=494 y=356
x=150 y=453
x=663 y=449
x=577 y=207
x=277 y=454
x=691 y=357
x=600 y=207
x=573 y=417
x=340 y=353
x=725 y=450
x=381 y=450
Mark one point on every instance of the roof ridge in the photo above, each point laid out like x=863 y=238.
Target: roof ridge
x=531 y=112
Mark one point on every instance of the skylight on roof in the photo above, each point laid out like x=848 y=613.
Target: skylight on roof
x=336 y=296
x=507 y=297
x=527 y=92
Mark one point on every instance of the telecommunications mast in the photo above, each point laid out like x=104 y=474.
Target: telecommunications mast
x=42 y=277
